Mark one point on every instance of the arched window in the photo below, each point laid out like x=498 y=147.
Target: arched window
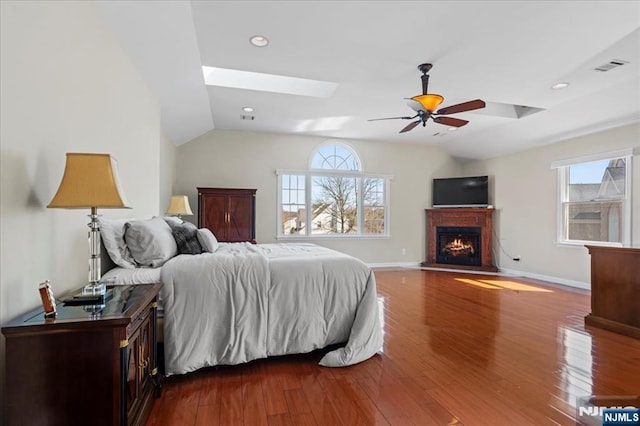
x=334 y=156
x=334 y=197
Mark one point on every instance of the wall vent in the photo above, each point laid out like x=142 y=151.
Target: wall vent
x=611 y=65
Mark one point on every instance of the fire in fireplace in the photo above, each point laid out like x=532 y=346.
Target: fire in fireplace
x=458 y=245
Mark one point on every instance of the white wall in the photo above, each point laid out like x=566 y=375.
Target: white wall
x=249 y=160
x=167 y=174
x=525 y=195
x=65 y=86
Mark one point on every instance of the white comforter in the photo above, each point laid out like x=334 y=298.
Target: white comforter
x=246 y=301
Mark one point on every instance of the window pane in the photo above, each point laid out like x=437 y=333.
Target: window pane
x=293 y=205
x=597 y=180
x=594 y=221
x=374 y=220
x=333 y=205
x=374 y=208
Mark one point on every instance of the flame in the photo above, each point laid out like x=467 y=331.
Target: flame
x=457 y=247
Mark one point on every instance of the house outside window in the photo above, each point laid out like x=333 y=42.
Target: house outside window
x=333 y=198
x=595 y=199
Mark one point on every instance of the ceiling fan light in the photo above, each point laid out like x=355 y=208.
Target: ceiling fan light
x=430 y=102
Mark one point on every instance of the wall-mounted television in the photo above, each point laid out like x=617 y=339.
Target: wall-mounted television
x=471 y=191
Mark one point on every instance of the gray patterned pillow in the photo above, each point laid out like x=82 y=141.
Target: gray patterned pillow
x=186 y=236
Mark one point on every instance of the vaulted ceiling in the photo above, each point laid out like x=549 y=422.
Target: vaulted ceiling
x=508 y=53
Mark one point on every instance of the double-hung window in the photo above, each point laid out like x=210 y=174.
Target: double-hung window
x=595 y=199
x=333 y=198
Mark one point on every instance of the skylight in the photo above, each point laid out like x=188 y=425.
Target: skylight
x=267 y=82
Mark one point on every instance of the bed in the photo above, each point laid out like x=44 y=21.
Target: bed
x=240 y=302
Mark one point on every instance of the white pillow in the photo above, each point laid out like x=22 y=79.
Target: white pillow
x=150 y=241
x=207 y=240
x=172 y=220
x=112 y=234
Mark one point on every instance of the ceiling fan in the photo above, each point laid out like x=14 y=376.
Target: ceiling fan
x=425 y=107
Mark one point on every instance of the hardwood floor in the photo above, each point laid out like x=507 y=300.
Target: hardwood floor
x=459 y=349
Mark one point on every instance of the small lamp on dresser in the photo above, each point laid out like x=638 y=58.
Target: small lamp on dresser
x=90 y=181
x=179 y=206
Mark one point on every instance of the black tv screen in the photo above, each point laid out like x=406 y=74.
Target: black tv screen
x=470 y=191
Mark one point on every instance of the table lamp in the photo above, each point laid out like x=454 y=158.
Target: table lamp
x=90 y=181
x=179 y=205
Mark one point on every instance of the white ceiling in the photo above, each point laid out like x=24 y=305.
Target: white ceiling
x=499 y=51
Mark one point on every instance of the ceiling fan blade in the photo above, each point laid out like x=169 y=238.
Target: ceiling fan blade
x=410 y=126
x=465 y=106
x=393 y=118
x=450 y=121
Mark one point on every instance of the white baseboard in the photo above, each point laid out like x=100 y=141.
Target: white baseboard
x=503 y=271
x=548 y=278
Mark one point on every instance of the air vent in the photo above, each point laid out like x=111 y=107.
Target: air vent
x=247 y=117
x=611 y=65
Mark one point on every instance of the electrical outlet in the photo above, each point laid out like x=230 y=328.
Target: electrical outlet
x=404 y=251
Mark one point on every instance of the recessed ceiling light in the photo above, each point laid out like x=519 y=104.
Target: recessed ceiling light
x=259 y=41
x=267 y=82
x=559 y=86
x=247 y=109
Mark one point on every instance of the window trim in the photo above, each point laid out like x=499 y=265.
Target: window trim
x=563 y=179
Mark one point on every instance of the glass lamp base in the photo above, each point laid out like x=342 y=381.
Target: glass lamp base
x=94 y=310
x=97 y=289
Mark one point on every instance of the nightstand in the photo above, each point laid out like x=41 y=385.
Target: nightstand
x=79 y=368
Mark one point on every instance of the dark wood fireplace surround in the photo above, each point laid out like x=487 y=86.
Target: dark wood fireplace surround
x=461 y=217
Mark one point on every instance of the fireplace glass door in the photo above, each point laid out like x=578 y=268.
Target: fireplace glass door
x=458 y=245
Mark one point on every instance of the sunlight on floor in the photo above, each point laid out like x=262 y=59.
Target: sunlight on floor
x=499 y=285
x=576 y=373
x=381 y=312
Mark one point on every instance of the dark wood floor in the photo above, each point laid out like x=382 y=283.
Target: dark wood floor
x=458 y=349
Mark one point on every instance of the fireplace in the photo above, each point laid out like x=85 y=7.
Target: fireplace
x=458 y=245
x=460 y=238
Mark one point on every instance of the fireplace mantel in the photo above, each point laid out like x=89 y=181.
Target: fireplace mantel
x=461 y=217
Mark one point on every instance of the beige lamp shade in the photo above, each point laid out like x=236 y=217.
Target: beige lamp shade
x=179 y=205
x=89 y=180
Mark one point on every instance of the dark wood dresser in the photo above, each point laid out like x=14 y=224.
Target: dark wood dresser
x=82 y=368
x=615 y=289
x=229 y=213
